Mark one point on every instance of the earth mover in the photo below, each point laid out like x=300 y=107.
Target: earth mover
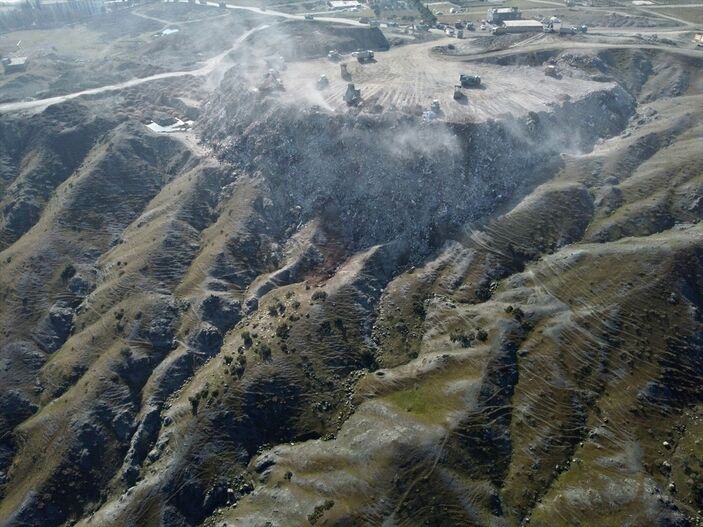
x=550 y=70
x=469 y=81
x=365 y=55
x=352 y=96
x=344 y=72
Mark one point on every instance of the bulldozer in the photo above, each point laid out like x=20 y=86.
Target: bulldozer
x=550 y=70
x=271 y=82
x=352 y=96
x=323 y=82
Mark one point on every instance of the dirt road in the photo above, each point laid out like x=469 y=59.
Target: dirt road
x=208 y=67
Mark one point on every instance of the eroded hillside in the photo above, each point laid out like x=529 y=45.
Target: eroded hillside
x=302 y=316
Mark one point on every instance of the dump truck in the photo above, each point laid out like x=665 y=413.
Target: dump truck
x=344 y=72
x=363 y=55
x=352 y=96
x=323 y=82
x=469 y=81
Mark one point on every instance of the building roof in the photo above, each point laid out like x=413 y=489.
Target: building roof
x=343 y=3
x=15 y=61
x=505 y=10
x=522 y=23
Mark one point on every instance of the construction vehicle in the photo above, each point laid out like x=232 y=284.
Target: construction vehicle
x=459 y=33
x=363 y=55
x=323 y=82
x=334 y=55
x=583 y=28
x=352 y=96
x=458 y=94
x=435 y=106
x=344 y=71
x=271 y=82
x=469 y=81
x=550 y=70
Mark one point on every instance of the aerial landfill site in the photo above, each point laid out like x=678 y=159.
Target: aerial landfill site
x=389 y=263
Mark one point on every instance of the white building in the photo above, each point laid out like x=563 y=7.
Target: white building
x=343 y=4
x=523 y=26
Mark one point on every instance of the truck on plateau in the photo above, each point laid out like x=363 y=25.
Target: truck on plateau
x=363 y=55
x=469 y=81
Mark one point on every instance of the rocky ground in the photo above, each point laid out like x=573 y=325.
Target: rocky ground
x=296 y=316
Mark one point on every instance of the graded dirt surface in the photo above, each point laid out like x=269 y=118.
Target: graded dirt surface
x=409 y=78
x=282 y=311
